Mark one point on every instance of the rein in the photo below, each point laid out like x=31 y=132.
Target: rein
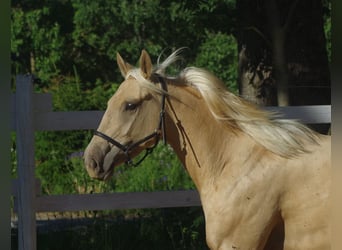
x=160 y=131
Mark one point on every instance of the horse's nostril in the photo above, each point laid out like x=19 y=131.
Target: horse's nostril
x=92 y=164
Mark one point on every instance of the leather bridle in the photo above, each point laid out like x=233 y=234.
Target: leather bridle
x=159 y=131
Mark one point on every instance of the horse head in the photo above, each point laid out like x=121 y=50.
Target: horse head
x=132 y=122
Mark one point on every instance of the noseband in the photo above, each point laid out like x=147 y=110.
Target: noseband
x=159 y=131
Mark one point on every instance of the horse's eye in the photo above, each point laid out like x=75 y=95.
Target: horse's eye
x=131 y=106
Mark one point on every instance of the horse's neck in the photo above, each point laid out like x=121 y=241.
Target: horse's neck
x=202 y=143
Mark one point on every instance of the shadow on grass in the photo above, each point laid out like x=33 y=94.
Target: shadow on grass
x=158 y=229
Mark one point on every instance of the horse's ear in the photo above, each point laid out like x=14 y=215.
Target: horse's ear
x=123 y=66
x=145 y=64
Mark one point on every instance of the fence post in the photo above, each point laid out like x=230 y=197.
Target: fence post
x=26 y=166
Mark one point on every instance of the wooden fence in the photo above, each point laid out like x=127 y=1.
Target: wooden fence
x=33 y=112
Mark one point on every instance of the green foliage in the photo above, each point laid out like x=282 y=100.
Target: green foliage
x=159 y=171
x=35 y=43
x=71 y=94
x=57 y=166
x=218 y=53
x=88 y=34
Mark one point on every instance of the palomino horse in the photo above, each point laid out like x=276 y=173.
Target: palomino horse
x=264 y=182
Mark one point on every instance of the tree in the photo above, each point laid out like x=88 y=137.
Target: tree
x=35 y=43
x=282 y=52
x=55 y=39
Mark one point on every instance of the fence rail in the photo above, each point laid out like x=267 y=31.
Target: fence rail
x=33 y=112
x=80 y=120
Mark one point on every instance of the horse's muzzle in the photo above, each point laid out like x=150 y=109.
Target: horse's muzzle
x=98 y=164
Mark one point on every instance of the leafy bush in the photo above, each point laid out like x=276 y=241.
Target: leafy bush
x=56 y=152
x=159 y=171
x=218 y=53
x=36 y=43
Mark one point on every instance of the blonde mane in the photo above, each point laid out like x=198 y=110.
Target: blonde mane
x=281 y=136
